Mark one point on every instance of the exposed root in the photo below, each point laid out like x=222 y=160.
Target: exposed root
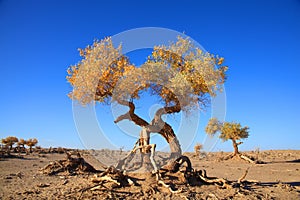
x=175 y=165
x=119 y=178
x=179 y=171
x=191 y=176
x=217 y=181
x=160 y=182
x=243 y=157
x=105 y=178
x=247 y=159
x=143 y=145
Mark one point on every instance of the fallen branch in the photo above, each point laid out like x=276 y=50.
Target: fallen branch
x=243 y=176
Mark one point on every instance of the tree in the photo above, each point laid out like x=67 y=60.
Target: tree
x=197 y=149
x=21 y=145
x=21 y=142
x=180 y=75
x=31 y=143
x=229 y=131
x=9 y=141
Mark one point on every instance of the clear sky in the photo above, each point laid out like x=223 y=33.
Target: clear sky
x=260 y=41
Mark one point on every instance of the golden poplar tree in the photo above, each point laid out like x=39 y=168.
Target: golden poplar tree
x=179 y=74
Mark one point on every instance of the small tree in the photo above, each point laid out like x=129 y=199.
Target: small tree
x=197 y=149
x=229 y=131
x=21 y=143
x=31 y=143
x=9 y=141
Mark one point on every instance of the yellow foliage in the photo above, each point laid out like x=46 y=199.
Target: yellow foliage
x=228 y=130
x=9 y=141
x=31 y=142
x=177 y=72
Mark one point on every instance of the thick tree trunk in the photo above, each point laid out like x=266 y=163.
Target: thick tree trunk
x=168 y=133
x=235 y=146
x=166 y=130
x=144 y=140
x=146 y=165
x=157 y=125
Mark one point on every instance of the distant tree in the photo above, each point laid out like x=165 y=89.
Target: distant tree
x=229 y=131
x=180 y=75
x=21 y=143
x=31 y=143
x=9 y=141
x=197 y=149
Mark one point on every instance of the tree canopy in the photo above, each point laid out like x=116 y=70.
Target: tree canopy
x=31 y=142
x=188 y=72
x=9 y=141
x=228 y=130
x=21 y=142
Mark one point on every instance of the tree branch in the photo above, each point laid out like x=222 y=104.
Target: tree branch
x=239 y=143
x=162 y=127
x=157 y=125
x=130 y=115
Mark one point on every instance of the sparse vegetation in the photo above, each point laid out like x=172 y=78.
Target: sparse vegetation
x=10 y=141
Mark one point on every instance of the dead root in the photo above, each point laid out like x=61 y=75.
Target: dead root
x=168 y=186
x=180 y=168
x=70 y=165
x=198 y=177
x=112 y=178
x=113 y=175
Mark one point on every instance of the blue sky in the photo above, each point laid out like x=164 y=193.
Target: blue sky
x=260 y=41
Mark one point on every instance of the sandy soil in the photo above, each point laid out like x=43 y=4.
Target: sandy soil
x=278 y=178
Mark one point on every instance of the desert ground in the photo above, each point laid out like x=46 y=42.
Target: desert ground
x=277 y=178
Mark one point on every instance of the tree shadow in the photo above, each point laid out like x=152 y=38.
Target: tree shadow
x=284 y=161
x=271 y=184
x=12 y=156
x=293 y=161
